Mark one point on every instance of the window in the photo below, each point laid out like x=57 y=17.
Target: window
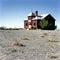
x=34 y=24
x=26 y=24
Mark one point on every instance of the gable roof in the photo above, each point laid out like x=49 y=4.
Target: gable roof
x=43 y=15
x=40 y=17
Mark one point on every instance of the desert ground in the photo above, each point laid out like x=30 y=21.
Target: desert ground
x=29 y=44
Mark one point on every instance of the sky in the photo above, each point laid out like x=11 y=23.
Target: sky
x=13 y=12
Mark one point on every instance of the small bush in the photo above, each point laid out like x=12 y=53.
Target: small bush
x=58 y=44
x=2 y=28
x=52 y=55
x=17 y=43
x=52 y=40
x=25 y=38
x=10 y=50
x=43 y=35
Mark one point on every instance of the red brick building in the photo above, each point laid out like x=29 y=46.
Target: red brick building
x=33 y=21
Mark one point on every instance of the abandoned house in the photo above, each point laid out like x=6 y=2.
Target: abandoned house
x=35 y=21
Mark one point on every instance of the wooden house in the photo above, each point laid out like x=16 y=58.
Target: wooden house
x=35 y=21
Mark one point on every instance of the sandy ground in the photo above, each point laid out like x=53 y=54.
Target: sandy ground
x=29 y=45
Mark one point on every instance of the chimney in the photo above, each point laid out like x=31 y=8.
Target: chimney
x=36 y=13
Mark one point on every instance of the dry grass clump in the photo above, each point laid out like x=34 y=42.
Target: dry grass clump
x=17 y=43
x=54 y=35
x=52 y=40
x=25 y=38
x=10 y=50
x=58 y=44
x=52 y=55
x=43 y=35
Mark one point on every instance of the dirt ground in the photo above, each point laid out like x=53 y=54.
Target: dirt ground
x=29 y=44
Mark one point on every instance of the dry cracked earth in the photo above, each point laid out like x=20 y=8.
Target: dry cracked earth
x=29 y=44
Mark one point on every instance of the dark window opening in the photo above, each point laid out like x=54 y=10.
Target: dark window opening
x=34 y=24
x=26 y=24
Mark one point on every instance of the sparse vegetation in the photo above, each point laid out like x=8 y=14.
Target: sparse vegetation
x=17 y=43
x=58 y=44
x=52 y=39
x=43 y=35
x=10 y=50
x=4 y=28
x=24 y=38
x=52 y=55
x=24 y=44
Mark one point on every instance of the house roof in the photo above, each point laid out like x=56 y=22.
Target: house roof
x=36 y=18
x=40 y=17
x=43 y=15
